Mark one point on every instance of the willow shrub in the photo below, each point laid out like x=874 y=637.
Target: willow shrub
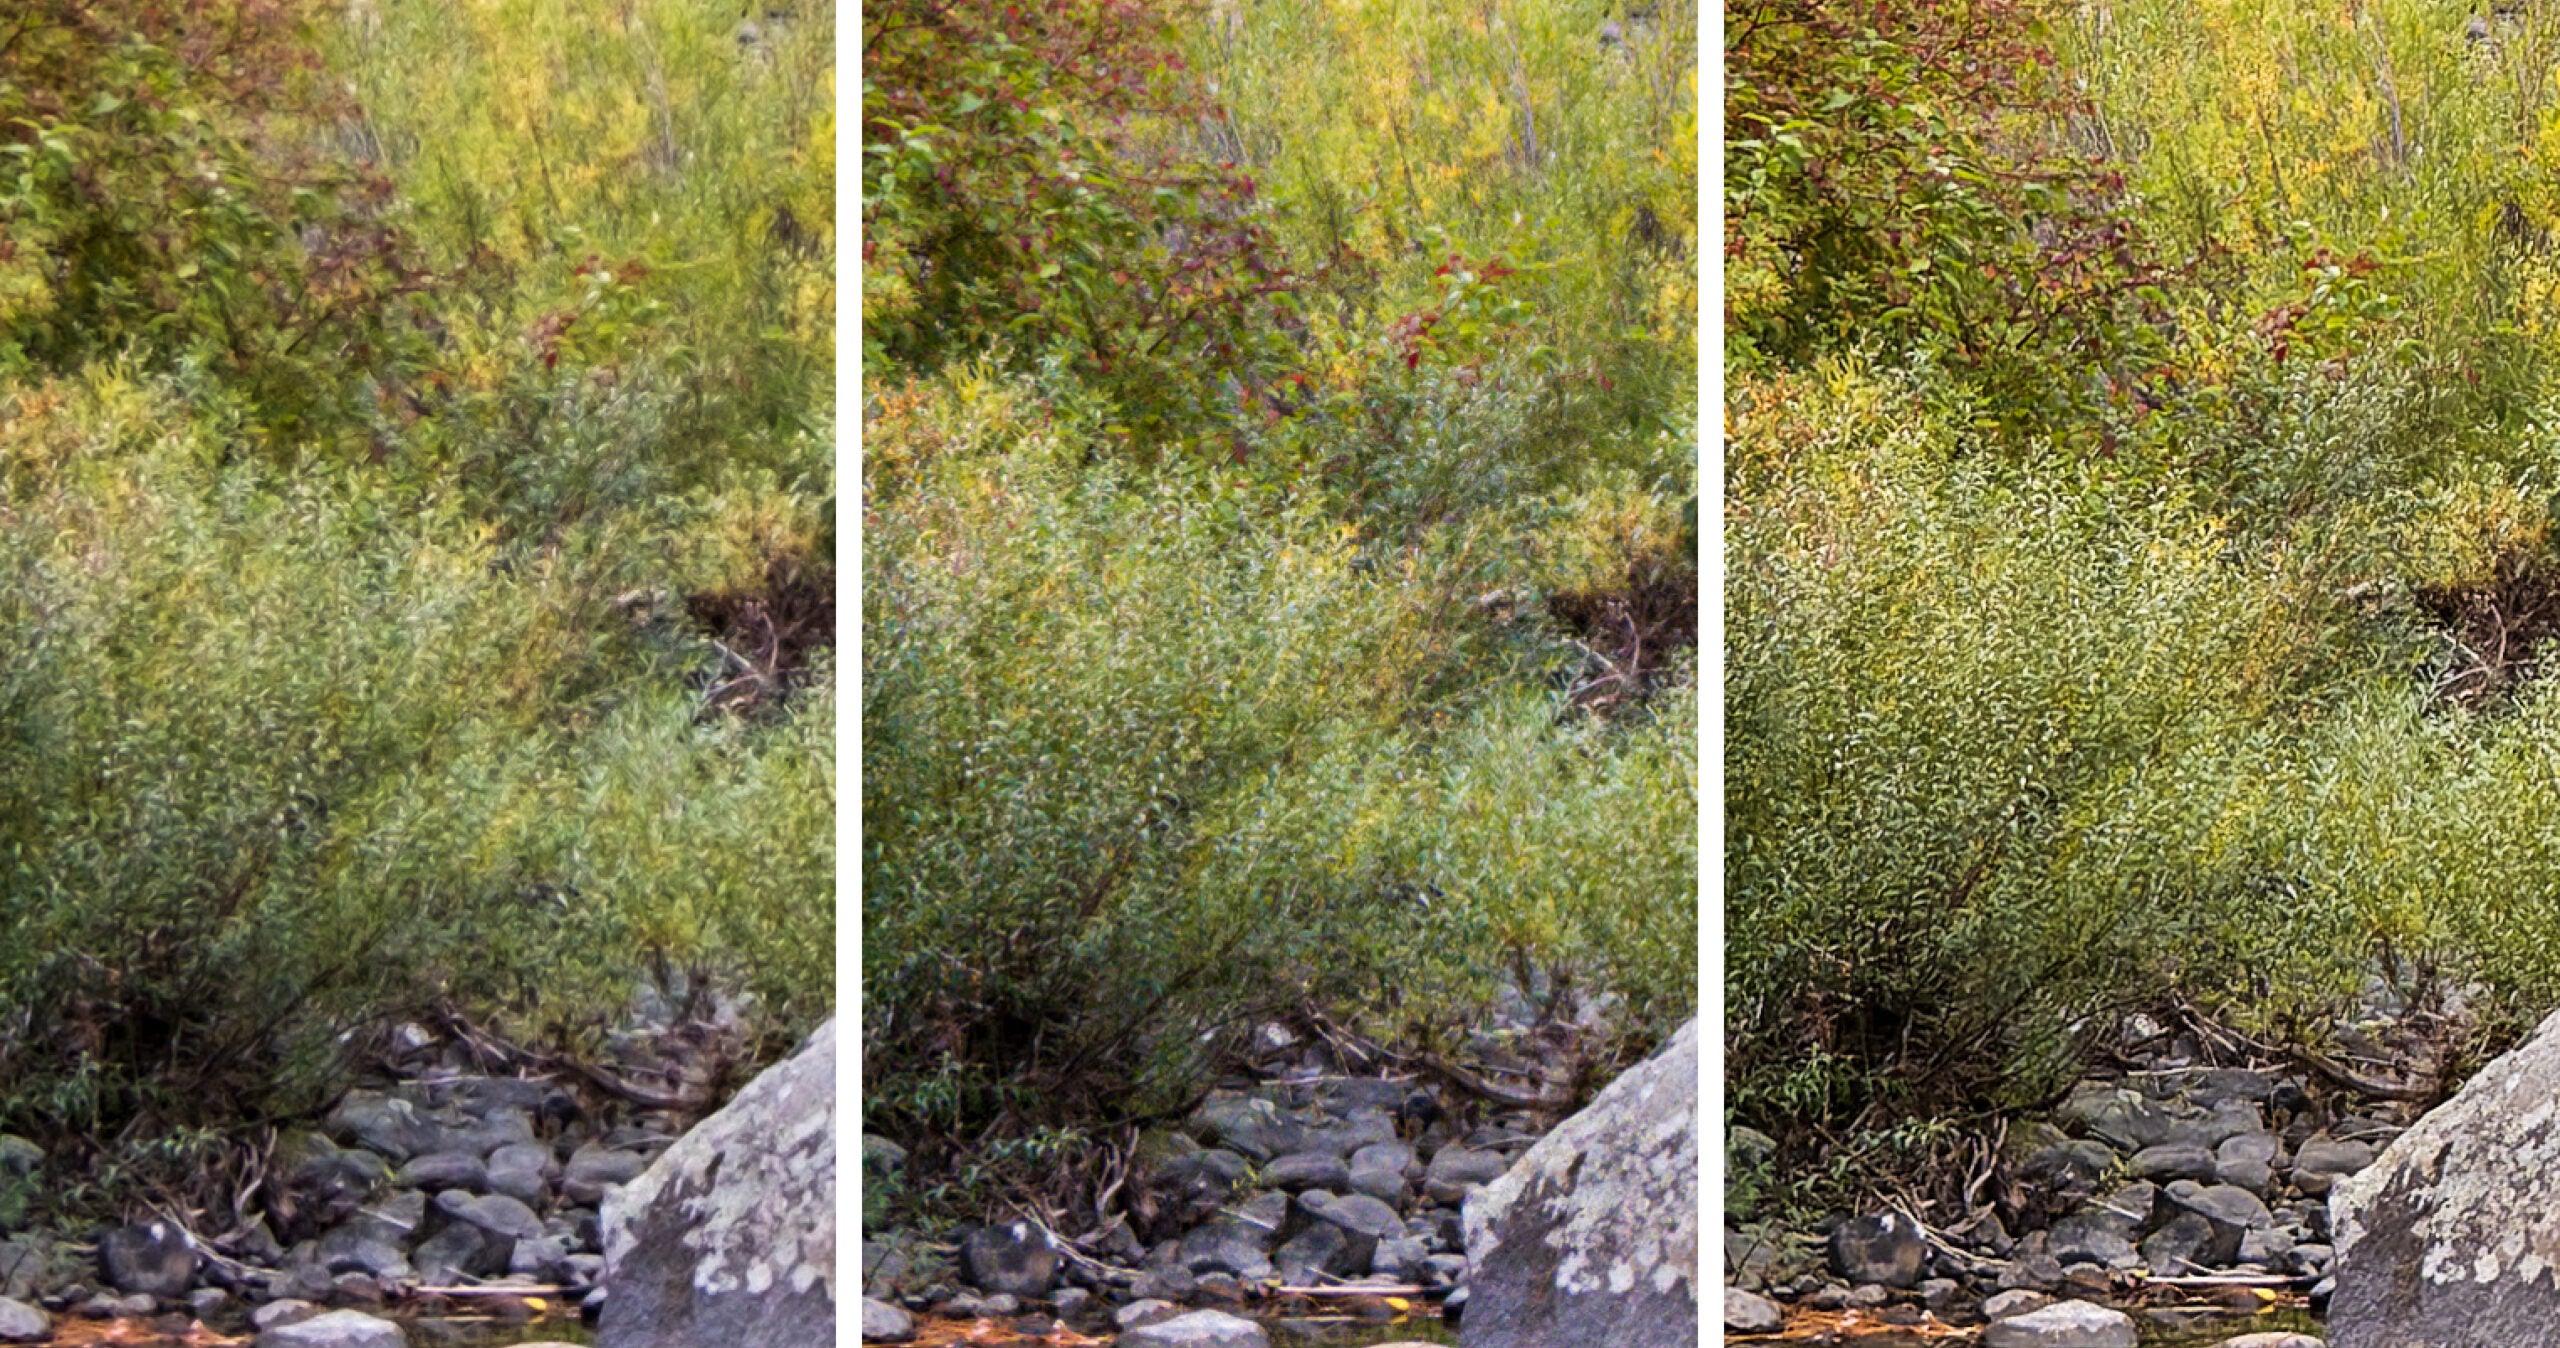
x=2005 y=754
x=282 y=760
x=1147 y=756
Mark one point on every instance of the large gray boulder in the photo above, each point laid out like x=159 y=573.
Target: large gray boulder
x=2452 y=1236
x=729 y=1237
x=1592 y=1236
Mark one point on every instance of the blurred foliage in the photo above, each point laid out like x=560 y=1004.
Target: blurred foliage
x=415 y=427
x=1219 y=490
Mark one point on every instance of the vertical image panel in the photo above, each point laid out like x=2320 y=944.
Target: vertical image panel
x=2138 y=571
x=417 y=690
x=1279 y=672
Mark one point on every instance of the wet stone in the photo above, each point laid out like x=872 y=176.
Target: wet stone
x=383 y=1123
x=1395 y=1156
x=1307 y=1170
x=1750 y=1313
x=2068 y=1167
x=1230 y=1245
x=593 y=1171
x=1358 y=1214
x=1386 y=1186
x=1015 y=1257
x=2016 y=1301
x=1145 y=1311
x=496 y=1214
x=442 y=1170
x=1198 y=1329
x=460 y=1248
x=1454 y=1171
x=1399 y=1259
x=2174 y=1161
x=536 y=1257
x=2064 y=1324
x=22 y=1323
x=393 y=1220
x=2321 y=1160
x=2185 y=1244
x=884 y=1323
x=348 y=1250
x=336 y=1329
x=2087 y=1240
x=1885 y=1248
x=153 y=1258
x=1251 y=1126
x=1321 y=1248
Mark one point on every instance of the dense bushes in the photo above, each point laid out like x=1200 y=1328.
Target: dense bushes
x=2000 y=757
x=1236 y=541
x=1145 y=759
x=280 y=759
x=415 y=532
x=158 y=209
x=2220 y=688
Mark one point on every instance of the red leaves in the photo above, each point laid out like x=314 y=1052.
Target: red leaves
x=546 y=332
x=1412 y=333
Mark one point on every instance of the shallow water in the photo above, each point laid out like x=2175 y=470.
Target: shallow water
x=2205 y=1333
x=1355 y=1333
x=423 y=1333
x=1288 y=1332
x=2201 y=1331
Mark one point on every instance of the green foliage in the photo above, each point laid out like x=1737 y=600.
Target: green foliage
x=141 y=217
x=1016 y=193
x=1228 y=452
x=641 y=197
x=2002 y=755
x=416 y=509
x=1422 y=150
x=1145 y=757
x=281 y=758
x=1892 y=182
x=2222 y=681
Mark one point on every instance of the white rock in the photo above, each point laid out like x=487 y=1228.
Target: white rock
x=1750 y=1313
x=884 y=1323
x=1199 y=1329
x=729 y=1237
x=337 y=1329
x=22 y=1323
x=2064 y=1324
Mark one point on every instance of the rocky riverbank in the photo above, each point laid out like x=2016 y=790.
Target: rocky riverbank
x=2174 y=1188
x=446 y=1203
x=1320 y=1185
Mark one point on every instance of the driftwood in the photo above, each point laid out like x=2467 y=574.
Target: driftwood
x=1437 y=1066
